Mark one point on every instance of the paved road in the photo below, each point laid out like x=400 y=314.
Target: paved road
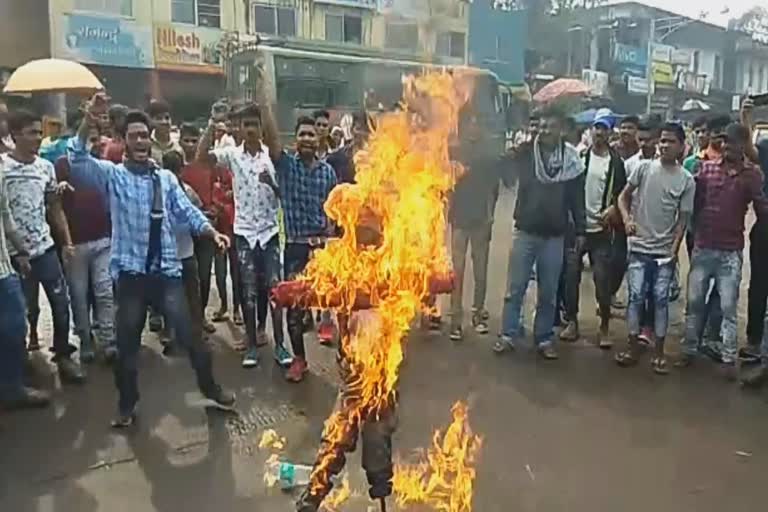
x=573 y=436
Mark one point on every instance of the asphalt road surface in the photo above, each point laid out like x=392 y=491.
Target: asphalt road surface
x=575 y=435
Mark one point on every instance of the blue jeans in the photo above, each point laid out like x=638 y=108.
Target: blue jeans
x=645 y=274
x=134 y=294
x=13 y=334
x=725 y=268
x=90 y=266
x=46 y=270
x=259 y=270
x=546 y=253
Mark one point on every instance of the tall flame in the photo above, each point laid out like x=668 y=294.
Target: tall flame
x=393 y=242
x=445 y=479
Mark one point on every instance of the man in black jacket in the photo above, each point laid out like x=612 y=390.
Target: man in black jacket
x=550 y=191
x=605 y=178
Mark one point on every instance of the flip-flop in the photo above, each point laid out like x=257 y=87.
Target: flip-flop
x=625 y=359
x=659 y=365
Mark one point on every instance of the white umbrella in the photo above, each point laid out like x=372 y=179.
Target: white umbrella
x=53 y=75
x=693 y=105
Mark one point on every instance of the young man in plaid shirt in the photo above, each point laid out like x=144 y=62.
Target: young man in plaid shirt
x=305 y=183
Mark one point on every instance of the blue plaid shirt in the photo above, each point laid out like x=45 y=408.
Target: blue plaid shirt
x=304 y=192
x=130 y=198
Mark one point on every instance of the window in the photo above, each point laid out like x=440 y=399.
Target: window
x=206 y=13
x=120 y=7
x=274 y=20
x=404 y=36
x=450 y=44
x=344 y=28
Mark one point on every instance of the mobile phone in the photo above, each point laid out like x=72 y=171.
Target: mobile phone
x=760 y=100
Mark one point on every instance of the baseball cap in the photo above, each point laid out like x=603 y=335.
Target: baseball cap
x=605 y=121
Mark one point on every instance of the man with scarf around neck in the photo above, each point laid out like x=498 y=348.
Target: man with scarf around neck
x=655 y=207
x=146 y=205
x=550 y=193
x=605 y=178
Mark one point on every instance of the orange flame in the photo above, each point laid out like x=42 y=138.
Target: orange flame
x=445 y=479
x=393 y=242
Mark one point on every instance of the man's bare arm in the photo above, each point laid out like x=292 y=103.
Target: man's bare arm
x=750 y=151
x=57 y=219
x=625 y=202
x=269 y=125
x=680 y=229
x=204 y=145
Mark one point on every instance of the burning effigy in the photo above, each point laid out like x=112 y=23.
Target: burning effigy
x=389 y=262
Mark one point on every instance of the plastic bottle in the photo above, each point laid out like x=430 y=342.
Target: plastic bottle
x=288 y=475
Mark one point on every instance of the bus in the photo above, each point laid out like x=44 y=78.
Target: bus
x=304 y=80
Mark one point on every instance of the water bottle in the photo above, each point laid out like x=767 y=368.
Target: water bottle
x=288 y=475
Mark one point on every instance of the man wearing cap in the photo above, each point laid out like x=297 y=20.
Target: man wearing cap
x=605 y=179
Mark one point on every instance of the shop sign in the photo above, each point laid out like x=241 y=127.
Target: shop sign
x=188 y=48
x=631 y=60
x=597 y=81
x=663 y=73
x=105 y=41
x=681 y=56
x=637 y=85
x=661 y=53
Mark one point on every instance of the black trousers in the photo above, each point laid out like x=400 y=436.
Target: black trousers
x=205 y=252
x=758 y=283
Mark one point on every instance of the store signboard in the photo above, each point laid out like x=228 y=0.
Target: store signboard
x=631 y=60
x=104 y=41
x=187 y=48
x=637 y=85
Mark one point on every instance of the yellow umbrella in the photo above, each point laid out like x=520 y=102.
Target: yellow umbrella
x=52 y=75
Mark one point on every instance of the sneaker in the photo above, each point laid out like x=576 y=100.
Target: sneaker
x=604 y=340
x=571 y=332
x=26 y=398
x=220 y=316
x=282 y=356
x=208 y=326
x=297 y=370
x=326 y=333
x=251 y=358
x=685 y=361
x=237 y=318
x=503 y=344
x=124 y=420
x=70 y=372
x=261 y=338
x=34 y=342
x=222 y=398
x=548 y=352
x=711 y=352
x=457 y=334
x=480 y=322
x=749 y=354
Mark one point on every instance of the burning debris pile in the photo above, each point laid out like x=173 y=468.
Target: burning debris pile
x=391 y=258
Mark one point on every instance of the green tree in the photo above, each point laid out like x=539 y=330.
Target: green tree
x=754 y=22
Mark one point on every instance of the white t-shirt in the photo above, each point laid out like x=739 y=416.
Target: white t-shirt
x=597 y=173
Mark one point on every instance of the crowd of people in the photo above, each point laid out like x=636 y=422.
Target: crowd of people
x=122 y=221
x=629 y=199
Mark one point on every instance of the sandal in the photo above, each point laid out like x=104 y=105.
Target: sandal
x=659 y=365
x=240 y=346
x=626 y=359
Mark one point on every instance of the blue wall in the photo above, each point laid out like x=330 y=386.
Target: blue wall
x=485 y=26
